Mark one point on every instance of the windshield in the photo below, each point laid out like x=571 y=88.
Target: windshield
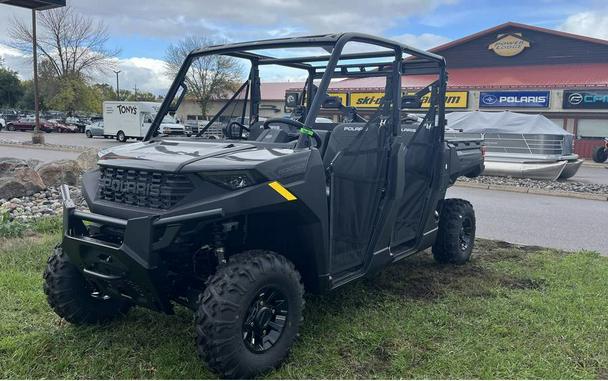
x=169 y=119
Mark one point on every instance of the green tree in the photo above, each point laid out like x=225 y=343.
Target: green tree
x=10 y=88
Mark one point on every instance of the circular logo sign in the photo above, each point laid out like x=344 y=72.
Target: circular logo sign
x=291 y=99
x=489 y=99
x=575 y=99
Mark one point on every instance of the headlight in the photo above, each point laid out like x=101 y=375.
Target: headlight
x=233 y=179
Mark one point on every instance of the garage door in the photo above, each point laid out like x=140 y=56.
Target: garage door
x=592 y=128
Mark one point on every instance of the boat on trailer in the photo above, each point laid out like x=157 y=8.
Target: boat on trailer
x=519 y=145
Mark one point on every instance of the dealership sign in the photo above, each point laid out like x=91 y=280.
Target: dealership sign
x=453 y=99
x=514 y=99
x=586 y=99
x=509 y=45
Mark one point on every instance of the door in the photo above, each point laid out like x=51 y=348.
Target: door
x=415 y=163
x=356 y=159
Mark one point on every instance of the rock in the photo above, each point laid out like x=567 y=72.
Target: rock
x=17 y=179
x=60 y=172
x=88 y=159
x=33 y=163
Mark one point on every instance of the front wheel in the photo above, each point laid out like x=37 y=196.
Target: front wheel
x=121 y=137
x=88 y=134
x=249 y=314
x=11 y=127
x=456 y=235
x=75 y=299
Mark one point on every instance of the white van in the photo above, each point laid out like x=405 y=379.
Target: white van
x=125 y=120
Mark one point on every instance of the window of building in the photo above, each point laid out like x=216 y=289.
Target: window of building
x=592 y=128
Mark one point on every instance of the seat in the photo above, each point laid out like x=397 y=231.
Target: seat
x=324 y=135
x=339 y=139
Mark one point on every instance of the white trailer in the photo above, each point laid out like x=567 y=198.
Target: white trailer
x=125 y=120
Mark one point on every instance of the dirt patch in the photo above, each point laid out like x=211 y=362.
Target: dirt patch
x=375 y=364
x=421 y=278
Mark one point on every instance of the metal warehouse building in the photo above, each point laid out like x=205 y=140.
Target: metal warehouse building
x=512 y=66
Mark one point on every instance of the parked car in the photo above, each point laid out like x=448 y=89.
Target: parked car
x=59 y=126
x=28 y=123
x=2 y=123
x=94 y=129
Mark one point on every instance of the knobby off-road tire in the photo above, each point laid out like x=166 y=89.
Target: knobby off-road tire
x=75 y=299
x=239 y=299
x=600 y=154
x=456 y=235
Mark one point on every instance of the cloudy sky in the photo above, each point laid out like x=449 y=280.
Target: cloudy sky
x=143 y=29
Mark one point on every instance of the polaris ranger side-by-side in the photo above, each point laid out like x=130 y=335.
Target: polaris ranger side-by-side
x=237 y=228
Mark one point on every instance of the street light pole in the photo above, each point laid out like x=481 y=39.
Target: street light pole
x=117 y=88
x=37 y=137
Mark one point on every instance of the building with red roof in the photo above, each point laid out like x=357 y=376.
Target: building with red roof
x=520 y=68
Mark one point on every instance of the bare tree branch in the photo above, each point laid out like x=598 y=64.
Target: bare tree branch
x=73 y=43
x=209 y=77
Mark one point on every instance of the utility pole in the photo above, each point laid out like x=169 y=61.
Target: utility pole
x=135 y=90
x=117 y=88
x=37 y=137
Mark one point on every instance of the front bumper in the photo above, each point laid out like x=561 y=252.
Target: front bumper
x=131 y=267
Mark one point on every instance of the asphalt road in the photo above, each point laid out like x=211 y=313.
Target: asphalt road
x=31 y=153
x=557 y=222
x=63 y=139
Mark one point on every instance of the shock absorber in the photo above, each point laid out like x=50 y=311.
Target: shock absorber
x=219 y=235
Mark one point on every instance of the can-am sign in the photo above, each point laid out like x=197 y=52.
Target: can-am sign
x=586 y=99
x=514 y=99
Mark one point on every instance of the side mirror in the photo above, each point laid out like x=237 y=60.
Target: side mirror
x=332 y=102
x=411 y=101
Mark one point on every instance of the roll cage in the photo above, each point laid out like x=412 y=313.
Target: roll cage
x=323 y=68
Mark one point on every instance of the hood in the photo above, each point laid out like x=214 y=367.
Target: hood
x=172 y=125
x=167 y=155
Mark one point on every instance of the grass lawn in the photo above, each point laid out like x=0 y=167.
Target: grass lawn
x=513 y=312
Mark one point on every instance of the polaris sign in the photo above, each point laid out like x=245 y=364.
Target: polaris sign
x=586 y=99
x=514 y=99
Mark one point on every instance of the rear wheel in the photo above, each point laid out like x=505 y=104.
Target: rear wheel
x=121 y=137
x=88 y=134
x=600 y=154
x=249 y=315
x=456 y=235
x=75 y=299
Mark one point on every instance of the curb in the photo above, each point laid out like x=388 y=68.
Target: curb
x=591 y=164
x=542 y=192
x=46 y=147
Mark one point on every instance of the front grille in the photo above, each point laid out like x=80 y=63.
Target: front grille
x=146 y=189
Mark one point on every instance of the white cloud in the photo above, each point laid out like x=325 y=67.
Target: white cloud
x=592 y=24
x=147 y=74
x=230 y=20
x=423 y=41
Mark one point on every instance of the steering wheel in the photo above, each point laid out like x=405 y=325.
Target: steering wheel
x=296 y=125
x=241 y=127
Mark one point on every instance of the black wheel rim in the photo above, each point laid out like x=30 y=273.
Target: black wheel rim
x=466 y=233
x=265 y=320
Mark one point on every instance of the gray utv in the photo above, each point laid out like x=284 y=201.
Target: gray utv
x=237 y=228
